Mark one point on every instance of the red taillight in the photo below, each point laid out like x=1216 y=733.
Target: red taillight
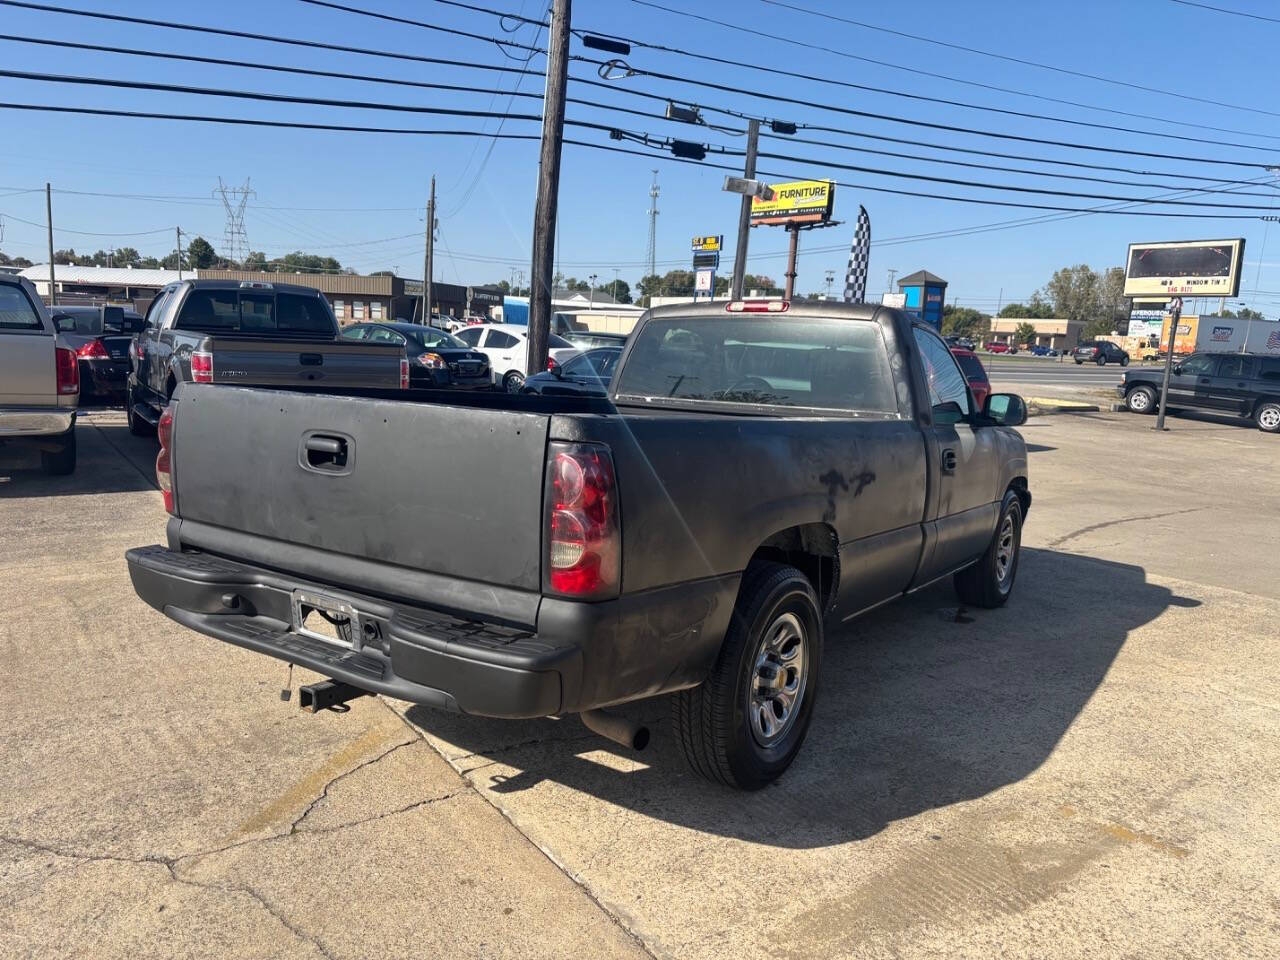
x=404 y=373
x=68 y=370
x=93 y=350
x=551 y=363
x=164 y=460
x=758 y=306
x=202 y=366
x=584 y=545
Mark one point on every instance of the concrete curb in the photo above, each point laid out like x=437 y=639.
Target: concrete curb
x=1046 y=406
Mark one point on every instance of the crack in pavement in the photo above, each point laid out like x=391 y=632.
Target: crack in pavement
x=324 y=793
x=1111 y=523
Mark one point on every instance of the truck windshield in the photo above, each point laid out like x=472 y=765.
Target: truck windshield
x=830 y=364
x=229 y=311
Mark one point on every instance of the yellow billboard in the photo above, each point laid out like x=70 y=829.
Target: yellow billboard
x=708 y=244
x=800 y=201
x=1196 y=268
x=1186 y=339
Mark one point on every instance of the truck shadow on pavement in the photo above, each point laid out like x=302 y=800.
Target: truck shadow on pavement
x=109 y=460
x=922 y=705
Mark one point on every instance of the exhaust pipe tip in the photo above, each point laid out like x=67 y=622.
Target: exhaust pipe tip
x=628 y=733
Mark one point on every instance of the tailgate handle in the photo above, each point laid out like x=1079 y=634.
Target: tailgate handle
x=311 y=359
x=325 y=452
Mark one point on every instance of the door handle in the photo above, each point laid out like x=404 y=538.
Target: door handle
x=1204 y=379
x=326 y=453
x=311 y=359
x=949 y=460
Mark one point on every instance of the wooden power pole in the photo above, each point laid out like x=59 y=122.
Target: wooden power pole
x=744 y=214
x=544 y=214
x=48 y=218
x=428 y=252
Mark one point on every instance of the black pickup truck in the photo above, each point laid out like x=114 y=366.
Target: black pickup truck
x=758 y=470
x=245 y=332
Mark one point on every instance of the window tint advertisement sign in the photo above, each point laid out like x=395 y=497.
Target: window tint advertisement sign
x=1199 y=268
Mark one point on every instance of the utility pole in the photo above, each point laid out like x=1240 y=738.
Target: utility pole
x=544 y=214
x=892 y=273
x=428 y=265
x=744 y=213
x=1175 y=314
x=792 y=251
x=177 y=233
x=48 y=219
x=614 y=291
x=831 y=278
x=591 y=302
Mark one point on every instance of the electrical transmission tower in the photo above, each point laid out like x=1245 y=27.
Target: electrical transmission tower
x=653 y=226
x=235 y=242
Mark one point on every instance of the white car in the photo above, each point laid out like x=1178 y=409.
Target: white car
x=506 y=346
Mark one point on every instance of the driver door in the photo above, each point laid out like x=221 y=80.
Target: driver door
x=1189 y=384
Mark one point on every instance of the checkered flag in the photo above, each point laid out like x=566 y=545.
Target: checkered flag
x=855 y=280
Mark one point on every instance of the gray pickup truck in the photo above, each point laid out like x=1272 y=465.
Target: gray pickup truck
x=39 y=378
x=758 y=471
x=243 y=332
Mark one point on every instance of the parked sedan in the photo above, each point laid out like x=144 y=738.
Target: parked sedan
x=973 y=370
x=585 y=376
x=100 y=337
x=506 y=346
x=995 y=346
x=436 y=359
x=1100 y=352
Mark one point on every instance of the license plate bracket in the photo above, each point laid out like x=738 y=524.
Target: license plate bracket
x=326 y=618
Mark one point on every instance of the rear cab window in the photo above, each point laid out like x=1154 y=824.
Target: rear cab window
x=17 y=311
x=764 y=360
x=255 y=312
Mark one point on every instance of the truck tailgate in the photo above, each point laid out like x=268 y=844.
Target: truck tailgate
x=450 y=490
x=328 y=363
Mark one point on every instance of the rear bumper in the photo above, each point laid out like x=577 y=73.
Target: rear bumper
x=103 y=376
x=35 y=421
x=584 y=655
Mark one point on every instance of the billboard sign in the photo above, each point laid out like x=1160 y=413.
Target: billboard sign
x=708 y=244
x=1146 y=317
x=1197 y=268
x=800 y=201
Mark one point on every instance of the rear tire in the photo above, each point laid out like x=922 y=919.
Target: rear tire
x=137 y=426
x=1101 y=361
x=989 y=582
x=513 y=381
x=1141 y=400
x=747 y=721
x=1079 y=363
x=1267 y=416
x=62 y=461
x=1124 y=361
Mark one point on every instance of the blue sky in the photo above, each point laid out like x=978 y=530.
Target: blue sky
x=359 y=197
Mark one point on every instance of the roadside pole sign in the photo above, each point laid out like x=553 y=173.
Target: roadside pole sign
x=704 y=283
x=1175 y=314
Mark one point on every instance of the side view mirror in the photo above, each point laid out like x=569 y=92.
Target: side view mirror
x=1177 y=368
x=1005 y=409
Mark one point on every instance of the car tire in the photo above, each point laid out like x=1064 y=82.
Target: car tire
x=744 y=725
x=989 y=582
x=1101 y=361
x=1141 y=400
x=61 y=461
x=1079 y=363
x=513 y=381
x=1124 y=361
x=137 y=426
x=1267 y=416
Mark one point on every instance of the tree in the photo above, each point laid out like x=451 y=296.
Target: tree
x=200 y=253
x=126 y=257
x=1247 y=314
x=964 y=322
x=148 y=263
x=256 y=260
x=1037 y=309
x=1024 y=333
x=7 y=261
x=620 y=290
x=762 y=283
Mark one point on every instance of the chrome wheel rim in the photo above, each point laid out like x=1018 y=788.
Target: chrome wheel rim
x=778 y=679
x=1006 y=545
x=1269 y=417
x=1138 y=400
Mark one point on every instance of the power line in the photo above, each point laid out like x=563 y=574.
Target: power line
x=1019 y=60
x=418 y=23
x=420 y=132
x=408 y=21
x=1234 y=13
x=89 y=233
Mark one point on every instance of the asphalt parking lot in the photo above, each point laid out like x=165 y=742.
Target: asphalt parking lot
x=1092 y=771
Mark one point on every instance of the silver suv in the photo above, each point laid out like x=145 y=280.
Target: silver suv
x=39 y=378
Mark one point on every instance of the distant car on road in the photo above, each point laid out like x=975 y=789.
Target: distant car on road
x=1100 y=352
x=1244 y=384
x=100 y=337
x=436 y=359
x=995 y=346
x=39 y=378
x=506 y=346
x=585 y=376
x=974 y=372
